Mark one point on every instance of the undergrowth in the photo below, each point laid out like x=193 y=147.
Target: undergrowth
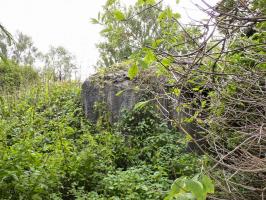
x=48 y=150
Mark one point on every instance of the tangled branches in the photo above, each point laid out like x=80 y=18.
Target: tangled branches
x=220 y=70
x=215 y=73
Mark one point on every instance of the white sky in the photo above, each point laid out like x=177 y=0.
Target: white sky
x=67 y=23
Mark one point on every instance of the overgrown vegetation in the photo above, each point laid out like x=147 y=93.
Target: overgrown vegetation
x=50 y=151
x=213 y=72
x=216 y=74
x=13 y=76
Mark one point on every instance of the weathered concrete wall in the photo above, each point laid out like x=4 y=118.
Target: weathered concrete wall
x=105 y=90
x=104 y=87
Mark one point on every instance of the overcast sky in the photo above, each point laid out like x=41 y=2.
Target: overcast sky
x=67 y=23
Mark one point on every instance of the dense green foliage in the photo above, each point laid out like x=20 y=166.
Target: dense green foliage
x=13 y=76
x=49 y=151
x=57 y=64
x=123 y=39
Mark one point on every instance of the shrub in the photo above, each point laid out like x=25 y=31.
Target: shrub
x=13 y=76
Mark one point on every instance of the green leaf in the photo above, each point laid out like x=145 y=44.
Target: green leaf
x=203 y=103
x=162 y=16
x=197 y=189
x=207 y=184
x=94 y=21
x=167 y=13
x=149 y=57
x=119 y=15
x=167 y=61
x=133 y=71
x=119 y=93
x=176 y=91
x=196 y=89
x=176 y=188
x=157 y=43
x=140 y=104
